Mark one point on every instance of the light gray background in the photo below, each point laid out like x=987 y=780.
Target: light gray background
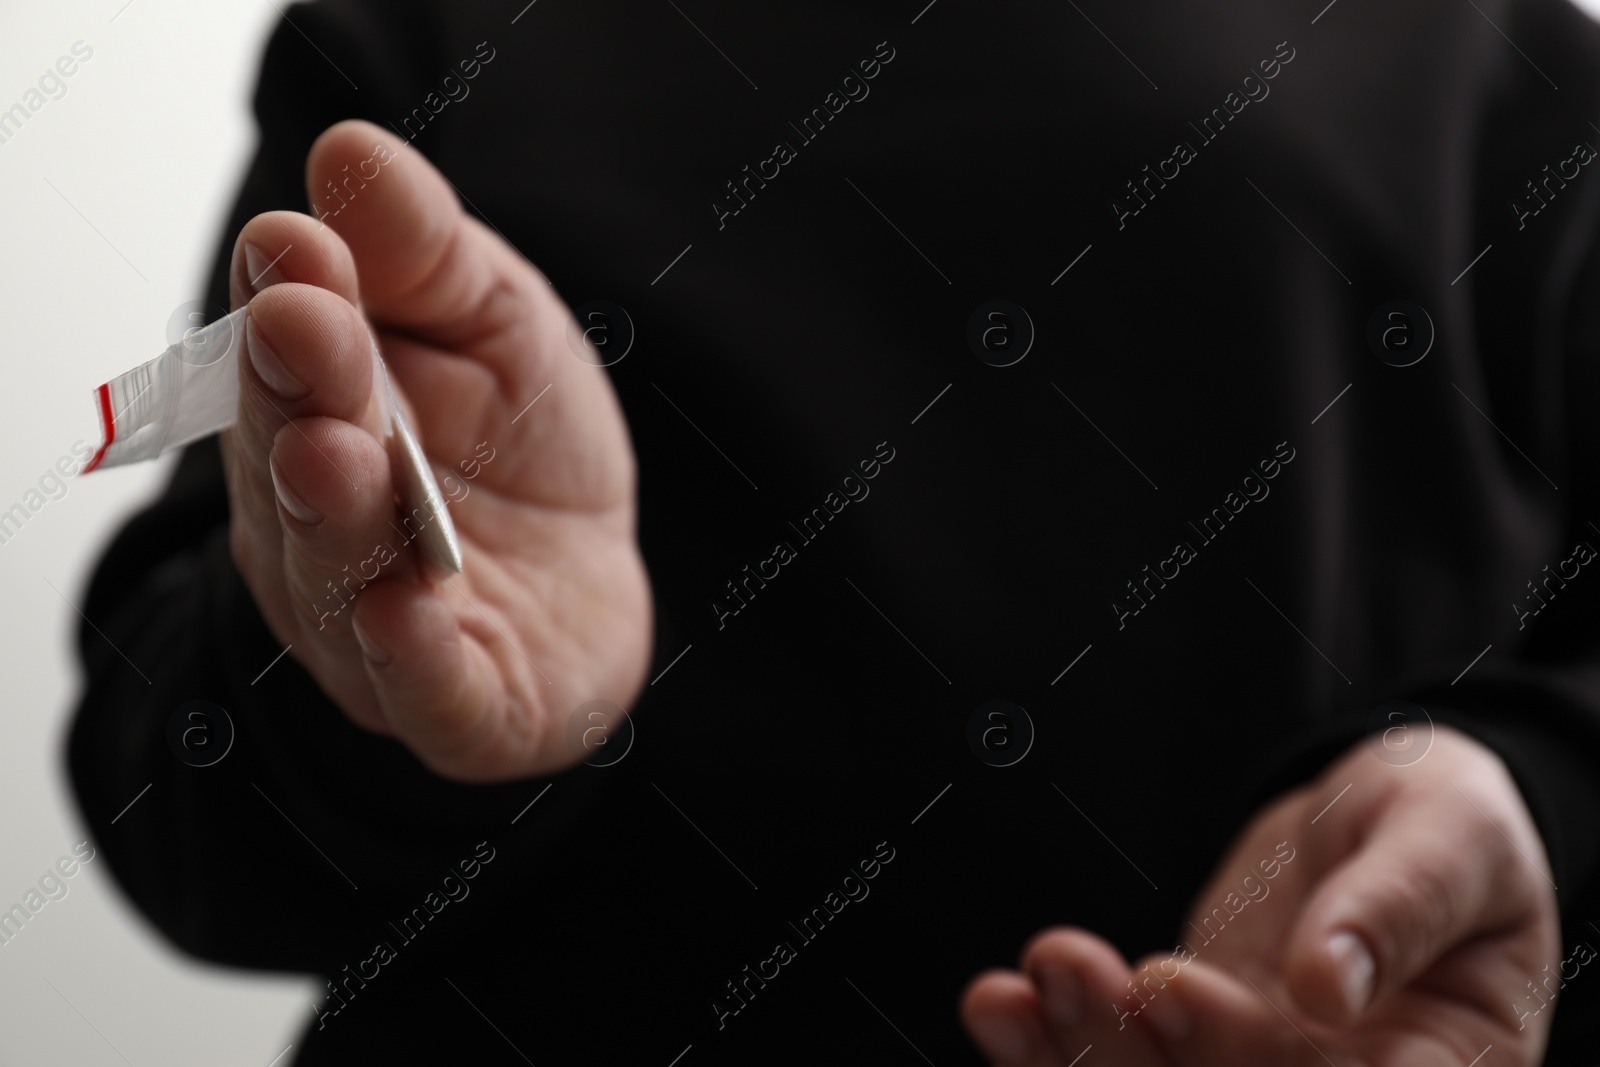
x=148 y=145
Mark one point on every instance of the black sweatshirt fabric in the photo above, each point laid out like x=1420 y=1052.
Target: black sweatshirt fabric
x=1202 y=532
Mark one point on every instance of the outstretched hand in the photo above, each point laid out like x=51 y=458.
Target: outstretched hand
x=476 y=675
x=1383 y=916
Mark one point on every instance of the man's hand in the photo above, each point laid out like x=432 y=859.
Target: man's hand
x=1404 y=930
x=477 y=675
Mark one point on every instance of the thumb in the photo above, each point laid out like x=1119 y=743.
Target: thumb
x=470 y=330
x=402 y=222
x=1423 y=879
x=425 y=268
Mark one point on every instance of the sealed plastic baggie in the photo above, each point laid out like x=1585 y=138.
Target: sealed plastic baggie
x=187 y=392
x=191 y=391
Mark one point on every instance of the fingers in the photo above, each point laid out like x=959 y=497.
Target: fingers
x=335 y=505
x=1073 y=995
x=307 y=353
x=1075 y=968
x=1002 y=1014
x=279 y=246
x=309 y=482
x=1430 y=874
x=438 y=690
x=1234 y=1018
x=1182 y=1010
x=471 y=331
x=1203 y=1015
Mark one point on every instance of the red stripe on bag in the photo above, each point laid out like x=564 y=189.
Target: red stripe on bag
x=108 y=423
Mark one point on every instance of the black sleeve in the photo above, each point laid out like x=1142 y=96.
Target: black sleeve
x=1534 y=700
x=308 y=823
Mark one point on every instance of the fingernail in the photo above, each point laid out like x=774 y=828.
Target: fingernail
x=1002 y=1037
x=1166 y=1013
x=1062 y=995
x=269 y=366
x=1355 y=968
x=368 y=649
x=301 y=511
x=261 y=270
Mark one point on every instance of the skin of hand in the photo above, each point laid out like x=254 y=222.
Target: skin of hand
x=1403 y=931
x=479 y=674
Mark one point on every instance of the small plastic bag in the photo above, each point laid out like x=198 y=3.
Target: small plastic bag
x=187 y=392
x=191 y=391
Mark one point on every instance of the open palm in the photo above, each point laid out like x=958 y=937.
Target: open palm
x=1382 y=917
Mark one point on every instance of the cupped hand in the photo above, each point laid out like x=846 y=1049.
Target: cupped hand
x=477 y=675
x=1384 y=916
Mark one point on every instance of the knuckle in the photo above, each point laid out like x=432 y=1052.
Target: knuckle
x=1417 y=908
x=260 y=419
